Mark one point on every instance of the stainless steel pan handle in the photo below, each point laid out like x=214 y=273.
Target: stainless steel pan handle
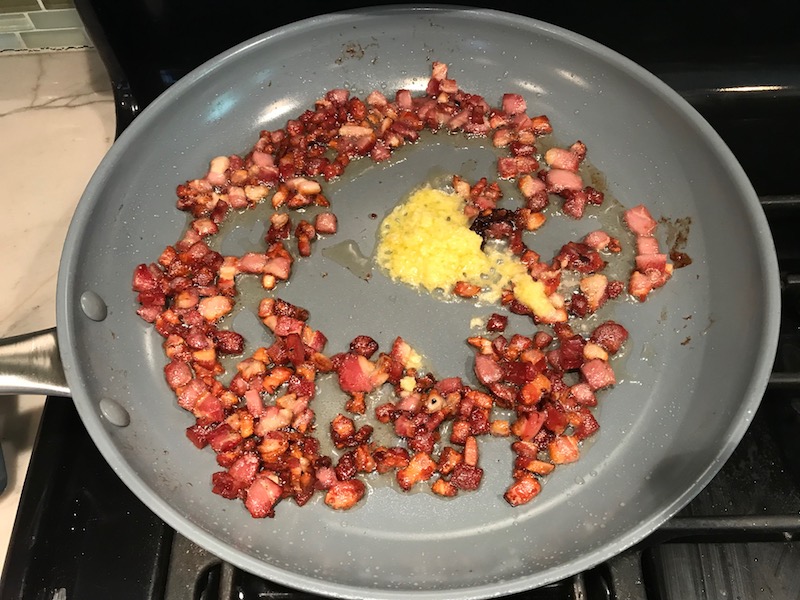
x=31 y=364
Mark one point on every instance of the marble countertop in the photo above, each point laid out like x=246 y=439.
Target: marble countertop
x=57 y=122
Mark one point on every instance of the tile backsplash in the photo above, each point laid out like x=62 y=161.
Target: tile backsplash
x=40 y=25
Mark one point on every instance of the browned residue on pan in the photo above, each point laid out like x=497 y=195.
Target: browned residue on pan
x=350 y=50
x=677 y=237
x=353 y=50
x=598 y=180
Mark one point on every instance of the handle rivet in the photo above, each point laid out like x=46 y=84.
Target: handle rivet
x=114 y=413
x=93 y=306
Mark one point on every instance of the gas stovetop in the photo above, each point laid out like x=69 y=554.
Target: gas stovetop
x=81 y=534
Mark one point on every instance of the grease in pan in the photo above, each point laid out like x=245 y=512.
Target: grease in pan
x=535 y=388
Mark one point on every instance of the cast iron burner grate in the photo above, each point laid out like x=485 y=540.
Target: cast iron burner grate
x=80 y=529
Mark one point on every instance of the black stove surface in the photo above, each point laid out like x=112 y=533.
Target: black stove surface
x=81 y=534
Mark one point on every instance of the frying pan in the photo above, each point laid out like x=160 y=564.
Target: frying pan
x=693 y=371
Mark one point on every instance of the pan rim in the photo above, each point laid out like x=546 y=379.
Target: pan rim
x=741 y=421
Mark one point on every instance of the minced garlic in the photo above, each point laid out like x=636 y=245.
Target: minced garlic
x=426 y=242
x=514 y=274
x=408 y=383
